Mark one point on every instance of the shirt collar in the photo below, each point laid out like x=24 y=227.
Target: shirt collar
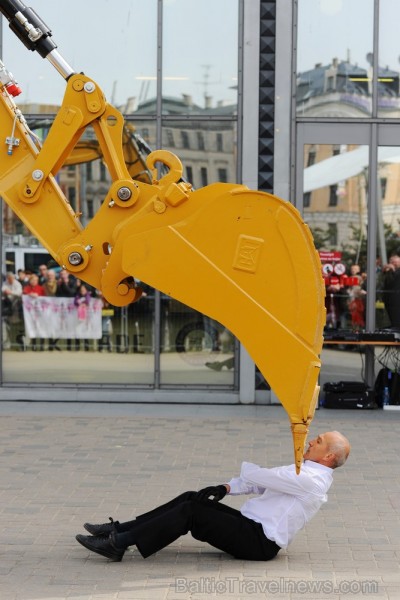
x=315 y=465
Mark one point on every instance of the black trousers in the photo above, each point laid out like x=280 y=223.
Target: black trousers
x=217 y=524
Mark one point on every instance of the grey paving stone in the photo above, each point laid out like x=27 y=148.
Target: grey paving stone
x=61 y=466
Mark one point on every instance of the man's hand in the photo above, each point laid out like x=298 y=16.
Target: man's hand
x=388 y=267
x=216 y=492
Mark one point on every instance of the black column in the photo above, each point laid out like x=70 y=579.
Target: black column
x=266 y=96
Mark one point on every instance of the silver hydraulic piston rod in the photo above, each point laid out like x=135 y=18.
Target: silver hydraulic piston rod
x=34 y=33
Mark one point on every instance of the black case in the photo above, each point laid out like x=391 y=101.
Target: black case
x=348 y=394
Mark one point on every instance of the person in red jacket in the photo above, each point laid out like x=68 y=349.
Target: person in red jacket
x=34 y=289
x=357 y=307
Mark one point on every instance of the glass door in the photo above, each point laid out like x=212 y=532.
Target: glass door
x=347 y=187
x=333 y=180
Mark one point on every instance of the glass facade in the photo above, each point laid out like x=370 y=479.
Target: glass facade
x=389 y=69
x=207 y=149
x=387 y=238
x=199 y=65
x=176 y=86
x=335 y=58
x=347 y=88
x=116 y=45
x=335 y=208
x=333 y=130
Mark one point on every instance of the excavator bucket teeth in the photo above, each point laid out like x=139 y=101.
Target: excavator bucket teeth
x=246 y=259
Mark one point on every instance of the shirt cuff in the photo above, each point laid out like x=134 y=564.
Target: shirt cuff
x=237 y=486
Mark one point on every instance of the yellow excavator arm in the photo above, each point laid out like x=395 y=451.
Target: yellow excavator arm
x=242 y=257
x=134 y=148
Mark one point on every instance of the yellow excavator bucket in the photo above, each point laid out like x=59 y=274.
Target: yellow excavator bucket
x=246 y=259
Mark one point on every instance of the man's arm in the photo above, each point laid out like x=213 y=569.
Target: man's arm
x=238 y=486
x=218 y=492
x=254 y=479
x=279 y=479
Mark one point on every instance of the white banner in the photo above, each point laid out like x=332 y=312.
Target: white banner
x=59 y=318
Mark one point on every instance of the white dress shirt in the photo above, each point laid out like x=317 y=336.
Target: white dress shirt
x=286 y=501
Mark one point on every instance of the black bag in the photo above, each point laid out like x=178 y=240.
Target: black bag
x=348 y=394
x=391 y=380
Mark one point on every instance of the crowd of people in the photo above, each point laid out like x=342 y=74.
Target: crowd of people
x=47 y=282
x=389 y=281
x=346 y=305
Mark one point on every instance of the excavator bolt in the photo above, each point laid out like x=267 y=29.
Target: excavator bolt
x=124 y=193
x=37 y=175
x=89 y=87
x=159 y=206
x=88 y=248
x=111 y=203
x=77 y=85
x=123 y=289
x=75 y=258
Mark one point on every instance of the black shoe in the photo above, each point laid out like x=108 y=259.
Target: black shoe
x=103 y=529
x=102 y=544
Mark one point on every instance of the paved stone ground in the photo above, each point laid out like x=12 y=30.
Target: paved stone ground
x=64 y=464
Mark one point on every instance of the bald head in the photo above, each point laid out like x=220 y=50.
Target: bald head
x=330 y=449
x=339 y=446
